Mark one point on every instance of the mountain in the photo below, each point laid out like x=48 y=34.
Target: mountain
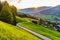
x=42 y=10
x=52 y=14
x=32 y=10
x=45 y=13
x=52 y=11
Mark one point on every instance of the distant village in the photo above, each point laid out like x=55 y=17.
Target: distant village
x=45 y=23
x=53 y=26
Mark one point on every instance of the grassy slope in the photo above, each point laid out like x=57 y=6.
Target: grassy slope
x=40 y=29
x=19 y=19
x=11 y=32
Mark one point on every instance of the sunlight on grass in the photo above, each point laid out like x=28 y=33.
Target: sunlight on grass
x=10 y=32
x=41 y=30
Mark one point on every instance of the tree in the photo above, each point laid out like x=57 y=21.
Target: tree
x=14 y=13
x=14 y=9
x=0 y=6
x=6 y=14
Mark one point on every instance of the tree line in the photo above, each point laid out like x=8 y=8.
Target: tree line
x=8 y=13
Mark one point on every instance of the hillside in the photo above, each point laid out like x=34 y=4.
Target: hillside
x=54 y=35
x=10 y=32
x=51 y=14
x=39 y=28
x=46 y=13
x=30 y=23
x=52 y=11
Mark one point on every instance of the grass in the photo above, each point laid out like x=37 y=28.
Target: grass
x=54 y=35
x=19 y=19
x=10 y=32
x=24 y=19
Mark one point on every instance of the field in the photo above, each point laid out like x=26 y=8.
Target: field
x=54 y=35
x=41 y=30
x=10 y=32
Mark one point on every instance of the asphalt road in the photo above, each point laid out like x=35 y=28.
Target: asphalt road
x=34 y=33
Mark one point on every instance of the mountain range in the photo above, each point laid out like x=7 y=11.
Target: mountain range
x=32 y=10
x=44 y=12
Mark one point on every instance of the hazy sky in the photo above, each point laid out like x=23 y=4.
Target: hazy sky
x=33 y=3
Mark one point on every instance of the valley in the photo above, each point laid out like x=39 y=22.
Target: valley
x=54 y=35
x=34 y=23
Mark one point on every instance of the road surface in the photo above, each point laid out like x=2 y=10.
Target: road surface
x=34 y=33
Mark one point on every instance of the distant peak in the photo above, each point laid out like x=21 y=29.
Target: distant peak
x=58 y=6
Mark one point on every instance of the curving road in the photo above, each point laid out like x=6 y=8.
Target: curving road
x=34 y=33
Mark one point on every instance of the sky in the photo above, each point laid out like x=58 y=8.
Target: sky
x=33 y=3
